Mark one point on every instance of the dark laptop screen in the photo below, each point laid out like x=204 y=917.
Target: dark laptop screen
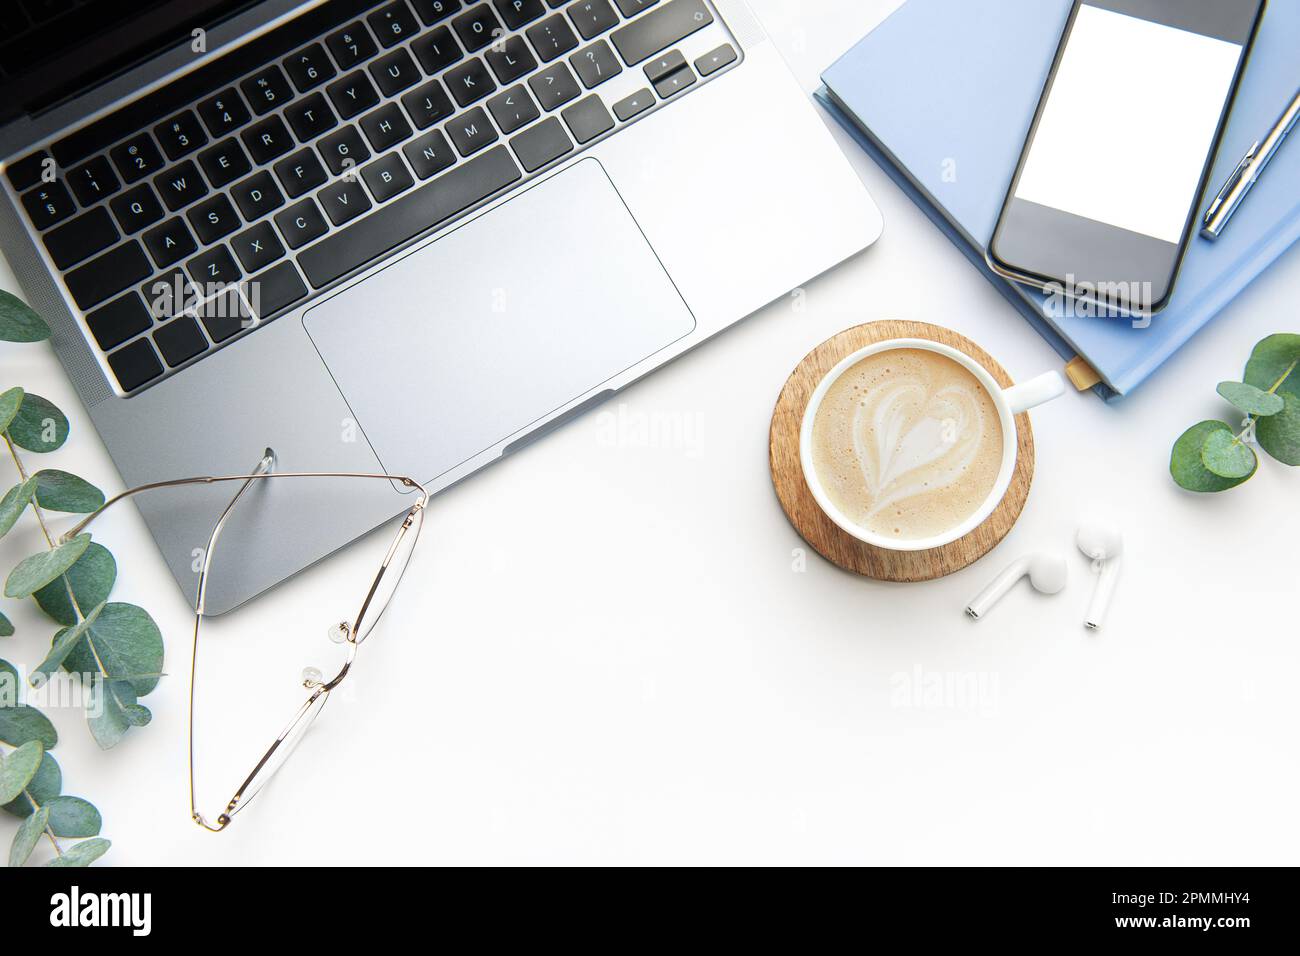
x=52 y=49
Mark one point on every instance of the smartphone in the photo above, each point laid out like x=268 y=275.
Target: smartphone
x=1107 y=192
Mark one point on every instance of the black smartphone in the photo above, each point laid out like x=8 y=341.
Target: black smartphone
x=1108 y=189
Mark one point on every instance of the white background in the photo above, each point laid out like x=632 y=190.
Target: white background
x=604 y=655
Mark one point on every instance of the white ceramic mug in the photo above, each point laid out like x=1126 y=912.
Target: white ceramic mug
x=1008 y=401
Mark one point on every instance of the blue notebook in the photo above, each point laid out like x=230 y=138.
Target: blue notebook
x=942 y=94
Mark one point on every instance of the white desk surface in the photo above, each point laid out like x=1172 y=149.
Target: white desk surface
x=603 y=653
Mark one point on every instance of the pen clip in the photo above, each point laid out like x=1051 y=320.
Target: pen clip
x=1231 y=184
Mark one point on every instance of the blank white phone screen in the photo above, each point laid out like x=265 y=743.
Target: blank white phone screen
x=1127 y=125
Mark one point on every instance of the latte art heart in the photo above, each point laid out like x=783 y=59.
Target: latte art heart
x=907 y=443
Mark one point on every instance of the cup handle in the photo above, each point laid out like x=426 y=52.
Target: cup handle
x=1026 y=395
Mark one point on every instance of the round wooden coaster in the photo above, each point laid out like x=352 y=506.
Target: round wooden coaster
x=822 y=533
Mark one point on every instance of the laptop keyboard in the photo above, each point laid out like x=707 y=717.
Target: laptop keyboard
x=268 y=181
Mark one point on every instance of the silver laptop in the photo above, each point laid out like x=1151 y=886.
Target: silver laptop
x=406 y=237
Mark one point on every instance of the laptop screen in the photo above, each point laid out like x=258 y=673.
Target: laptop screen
x=53 y=49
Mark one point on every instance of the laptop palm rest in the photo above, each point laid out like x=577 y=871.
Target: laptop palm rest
x=478 y=337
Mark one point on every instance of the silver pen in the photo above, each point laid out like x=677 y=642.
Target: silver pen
x=1247 y=171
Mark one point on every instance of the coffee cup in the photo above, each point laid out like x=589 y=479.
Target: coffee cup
x=916 y=451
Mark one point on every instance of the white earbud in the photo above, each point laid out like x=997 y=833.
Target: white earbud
x=1103 y=543
x=1046 y=572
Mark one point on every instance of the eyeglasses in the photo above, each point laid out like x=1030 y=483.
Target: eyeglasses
x=377 y=598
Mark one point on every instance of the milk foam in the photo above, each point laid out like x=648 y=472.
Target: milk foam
x=907 y=443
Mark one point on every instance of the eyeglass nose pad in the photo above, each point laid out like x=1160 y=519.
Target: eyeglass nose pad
x=340 y=632
x=312 y=677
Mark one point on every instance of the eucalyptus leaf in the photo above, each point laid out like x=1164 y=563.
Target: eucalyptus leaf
x=128 y=644
x=74 y=817
x=9 y=402
x=91 y=580
x=6 y=628
x=27 y=836
x=1275 y=360
x=39 y=426
x=8 y=684
x=14 y=503
x=21 y=723
x=1185 y=463
x=18 y=323
x=61 y=491
x=17 y=770
x=1251 y=400
x=35 y=572
x=1279 y=435
x=82 y=854
x=42 y=788
x=64 y=641
x=112 y=710
x=1228 y=456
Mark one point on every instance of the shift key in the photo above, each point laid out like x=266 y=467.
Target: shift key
x=651 y=32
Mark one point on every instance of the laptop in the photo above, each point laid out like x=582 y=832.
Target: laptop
x=405 y=237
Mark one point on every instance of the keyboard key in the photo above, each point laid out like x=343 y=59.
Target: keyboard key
x=256 y=196
x=431 y=11
x=180 y=185
x=267 y=140
x=121 y=319
x=541 y=144
x=257 y=247
x=471 y=132
x=300 y=173
x=213 y=218
x=351 y=45
x=81 y=238
x=225 y=162
x=551 y=38
x=26 y=172
x=301 y=223
x=634 y=105
x=477 y=27
x=517 y=13
x=664 y=65
x=344 y=150
x=137 y=158
x=588 y=118
x=343 y=201
x=510 y=60
x=180 y=135
x=554 y=87
x=406 y=217
x=630 y=8
x=309 y=68
x=393 y=23
x=93 y=180
x=276 y=289
x=394 y=72
x=310 y=117
x=659 y=29
x=47 y=205
x=352 y=95
x=592 y=17
x=386 y=177
x=428 y=104
x=470 y=82
x=169 y=242
x=102 y=278
x=223 y=113
x=225 y=314
x=595 y=64
x=385 y=127
x=724 y=55
x=513 y=109
x=266 y=90
x=180 y=340
x=430 y=154
x=168 y=295
x=213 y=268
x=436 y=50
x=136 y=208
x=674 y=83
x=135 y=365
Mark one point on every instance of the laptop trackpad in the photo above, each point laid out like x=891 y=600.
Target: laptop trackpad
x=472 y=339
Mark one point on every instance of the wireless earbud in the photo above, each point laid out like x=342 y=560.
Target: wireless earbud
x=1046 y=572
x=1103 y=543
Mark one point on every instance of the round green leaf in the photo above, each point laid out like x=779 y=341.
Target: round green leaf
x=18 y=323
x=35 y=572
x=83 y=854
x=91 y=580
x=9 y=402
x=6 y=628
x=112 y=710
x=60 y=491
x=39 y=426
x=1271 y=361
x=1251 y=400
x=1228 y=456
x=8 y=684
x=14 y=503
x=17 y=770
x=74 y=817
x=128 y=643
x=27 y=836
x=1185 y=463
x=21 y=723
x=1279 y=434
x=44 y=787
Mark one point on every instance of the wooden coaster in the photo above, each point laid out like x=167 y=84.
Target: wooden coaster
x=823 y=534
